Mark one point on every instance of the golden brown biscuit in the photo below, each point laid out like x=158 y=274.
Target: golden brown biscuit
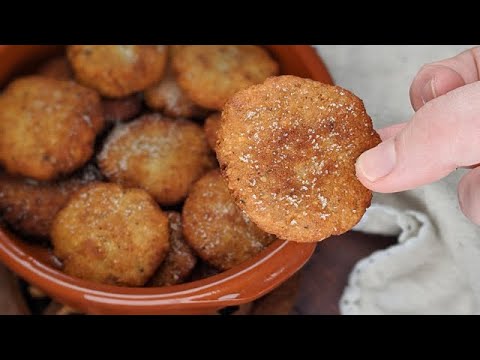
x=209 y=75
x=163 y=156
x=118 y=70
x=166 y=96
x=58 y=68
x=216 y=228
x=180 y=259
x=47 y=126
x=111 y=235
x=288 y=149
x=123 y=109
x=114 y=110
x=30 y=206
x=211 y=126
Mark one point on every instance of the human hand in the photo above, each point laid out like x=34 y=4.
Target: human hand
x=443 y=135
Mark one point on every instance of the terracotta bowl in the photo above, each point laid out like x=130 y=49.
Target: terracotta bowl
x=242 y=284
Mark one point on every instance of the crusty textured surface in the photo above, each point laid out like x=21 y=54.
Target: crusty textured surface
x=30 y=206
x=118 y=70
x=47 y=126
x=170 y=99
x=111 y=235
x=163 y=156
x=210 y=74
x=211 y=126
x=216 y=228
x=123 y=109
x=57 y=67
x=180 y=259
x=288 y=149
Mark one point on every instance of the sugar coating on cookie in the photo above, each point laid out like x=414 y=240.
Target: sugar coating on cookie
x=118 y=70
x=47 y=126
x=216 y=228
x=163 y=156
x=111 y=235
x=210 y=74
x=288 y=149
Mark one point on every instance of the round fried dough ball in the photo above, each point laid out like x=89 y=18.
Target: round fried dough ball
x=168 y=97
x=58 y=68
x=211 y=126
x=30 y=206
x=216 y=228
x=180 y=259
x=111 y=235
x=47 y=126
x=163 y=156
x=118 y=70
x=288 y=149
x=211 y=74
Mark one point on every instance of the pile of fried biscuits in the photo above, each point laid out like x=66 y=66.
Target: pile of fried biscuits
x=102 y=147
x=109 y=157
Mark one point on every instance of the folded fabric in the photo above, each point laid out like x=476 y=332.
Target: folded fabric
x=435 y=267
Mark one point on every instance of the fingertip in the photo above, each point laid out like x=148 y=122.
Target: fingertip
x=375 y=164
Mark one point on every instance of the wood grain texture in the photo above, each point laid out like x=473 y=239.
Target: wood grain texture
x=326 y=274
x=11 y=299
x=281 y=300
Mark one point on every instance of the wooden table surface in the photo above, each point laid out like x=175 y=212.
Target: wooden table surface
x=325 y=275
x=11 y=300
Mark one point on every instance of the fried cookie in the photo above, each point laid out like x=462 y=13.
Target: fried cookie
x=111 y=235
x=170 y=99
x=163 y=156
x=211 y=126
x=216 y=228
x=123 y=109
x=30 y=206
x=58 y=68
x=47 y=126
x=180 y=259
x=209 y=75
x=288 y=149
x=118 y=70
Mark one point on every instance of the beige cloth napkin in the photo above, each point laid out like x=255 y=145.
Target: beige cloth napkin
x=435 y=267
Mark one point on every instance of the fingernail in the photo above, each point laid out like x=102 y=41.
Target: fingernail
x=428 y=92
x=377 y=162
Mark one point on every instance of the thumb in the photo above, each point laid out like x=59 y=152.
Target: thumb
x=441 y=136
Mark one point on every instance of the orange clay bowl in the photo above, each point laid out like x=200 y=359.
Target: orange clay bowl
x=242 y=284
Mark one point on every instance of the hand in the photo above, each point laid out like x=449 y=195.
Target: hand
x=443 y=135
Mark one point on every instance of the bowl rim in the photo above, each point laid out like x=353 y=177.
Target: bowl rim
x=241 y=284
